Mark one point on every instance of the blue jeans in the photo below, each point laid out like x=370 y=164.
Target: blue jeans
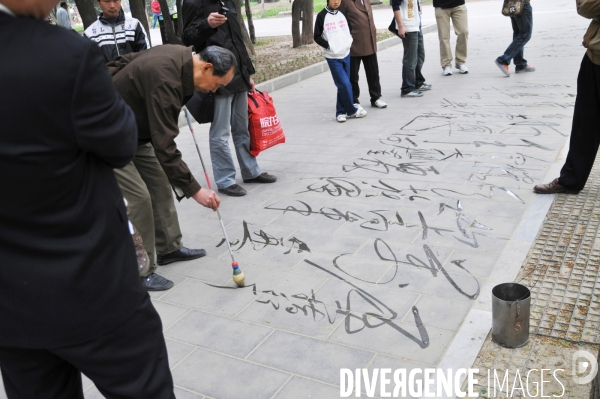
x=340 y=70
x=231 y=119
x=156 y=17
x=522 y=28
x=412 y=63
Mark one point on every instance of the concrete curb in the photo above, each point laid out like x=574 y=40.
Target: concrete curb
x=312 y=70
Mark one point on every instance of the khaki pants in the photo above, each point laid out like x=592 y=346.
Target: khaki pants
x=150 y=204
x=460 y=21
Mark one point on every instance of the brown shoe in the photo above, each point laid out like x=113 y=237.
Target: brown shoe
x=142 y=255
x=553 y=188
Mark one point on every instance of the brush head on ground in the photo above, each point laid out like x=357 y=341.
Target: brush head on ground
x=239 y=279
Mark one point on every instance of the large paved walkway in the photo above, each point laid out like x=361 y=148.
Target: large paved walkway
x=411 y=214
x=380 y=243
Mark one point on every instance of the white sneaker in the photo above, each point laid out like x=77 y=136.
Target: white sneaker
x=379 y=103
x=341 y=118
x=447 y=71
x=462 y=69
x=361 y=113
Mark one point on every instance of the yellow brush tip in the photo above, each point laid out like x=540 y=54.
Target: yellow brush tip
x=240 y=279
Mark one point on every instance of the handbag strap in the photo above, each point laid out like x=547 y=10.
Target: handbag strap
x=253 y=100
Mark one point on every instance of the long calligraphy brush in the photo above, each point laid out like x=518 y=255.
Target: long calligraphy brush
x=238 y=274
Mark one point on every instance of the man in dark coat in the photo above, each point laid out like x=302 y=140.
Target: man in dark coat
x=156 y=221
x=364 y=49
x=215 y=23
x=142 y=79
x=70 y=296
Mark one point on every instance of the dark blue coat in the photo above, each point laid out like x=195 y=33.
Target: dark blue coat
x=68 y=270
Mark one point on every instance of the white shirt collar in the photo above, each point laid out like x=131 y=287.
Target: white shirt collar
x=6 y=10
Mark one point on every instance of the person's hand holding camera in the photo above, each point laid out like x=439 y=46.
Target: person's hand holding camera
x=215 y=19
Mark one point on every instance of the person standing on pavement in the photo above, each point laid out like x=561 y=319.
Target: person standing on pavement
x=455 y=11
x=407 y=14
x=332 y=32
x=364 y=49
x=215 y=23
x=71 y=300
x=522 y=26
x=62 y=16
x=585 y=134
x=115 y=33
x=155 y=12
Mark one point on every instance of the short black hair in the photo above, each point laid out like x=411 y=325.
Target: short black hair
x=63 y=3
x=221 y=59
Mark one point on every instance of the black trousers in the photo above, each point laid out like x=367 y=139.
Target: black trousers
x=128 y=362
x=585 y=133
x=372 y=71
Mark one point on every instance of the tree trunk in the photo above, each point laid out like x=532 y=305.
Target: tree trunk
x=138 y=11
x=250 y=22
x=307 y=22
x=168 y=22
x=87 y=12
x=296 y=37
x=595 y=391
x=245 y=35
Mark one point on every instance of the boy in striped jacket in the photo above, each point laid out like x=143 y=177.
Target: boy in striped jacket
x=333 y=33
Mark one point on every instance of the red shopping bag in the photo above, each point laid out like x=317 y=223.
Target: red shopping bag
x=263 y=123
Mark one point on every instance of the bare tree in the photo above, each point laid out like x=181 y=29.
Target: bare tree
x=87 y=11
x=250 y=22
x=245 y=35
x=296 y=12
x=307 y=22
x=302 y=10
x=168 y=24
x=138 y=11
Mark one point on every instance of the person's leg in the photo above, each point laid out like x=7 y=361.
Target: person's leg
x=460 y=21
x=220 y=130
x=241 y=136
x=167 y=232
x=409 y=61
x=526 y=28
x=522 y=28
x=39 y=374
x=154 y=21
x=354 y=70
x=340 y=69
x=372 y=72
x=442 y=17
x=139 y=208
x=585 y=139
x=129 y=362
x=419 y=78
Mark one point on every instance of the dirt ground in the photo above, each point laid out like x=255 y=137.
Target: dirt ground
x=276 y=57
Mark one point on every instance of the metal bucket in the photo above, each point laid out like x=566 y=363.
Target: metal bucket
x=510 y=314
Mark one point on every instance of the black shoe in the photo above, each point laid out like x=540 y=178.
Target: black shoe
x=181 y=255
x=154 y=282
x=264 y=177
x=235 y=190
